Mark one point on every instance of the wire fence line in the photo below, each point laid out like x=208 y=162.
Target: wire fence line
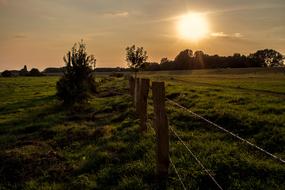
x=179 y=177
x=196 y=158
x=227 y=131
x=171 y=162
x=161 y=93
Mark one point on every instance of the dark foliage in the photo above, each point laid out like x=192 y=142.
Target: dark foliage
x=151 y=66
x=186 y=59
x=112 y=69
x=266 y=58
x=78 y=82
x=54 y=70
x=35 y=73
x=24 y=71
x=136 y=57
x=6 y=74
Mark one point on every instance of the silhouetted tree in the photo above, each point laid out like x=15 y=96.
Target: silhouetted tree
x=151 y=66
x=166 y=64
x=184 y=60
x=35 y=72
x=6 y=74
x=237 y=61
x=136 y=57
x=24 y=71
x=78 y=82
x=198 y=60
x=266 y=58
x=164 y=60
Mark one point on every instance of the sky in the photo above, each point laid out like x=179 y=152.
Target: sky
x=38 y=33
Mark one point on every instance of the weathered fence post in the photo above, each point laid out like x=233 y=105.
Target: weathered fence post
x=161 y=126
x=137 y=94
x=132 y=86
x=144 y=89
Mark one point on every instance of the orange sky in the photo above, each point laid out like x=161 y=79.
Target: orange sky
x=37 y=33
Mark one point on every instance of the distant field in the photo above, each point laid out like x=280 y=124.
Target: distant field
x=44 y=146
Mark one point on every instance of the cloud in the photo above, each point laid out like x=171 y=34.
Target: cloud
x=248 y=7
x=233 y=38
x=219 y=34
x=224 y=35
x=117 y=14
x=20 y=36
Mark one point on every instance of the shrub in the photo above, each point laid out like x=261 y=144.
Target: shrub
x=78 y=82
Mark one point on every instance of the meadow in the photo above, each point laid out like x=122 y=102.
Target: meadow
x=46 y=146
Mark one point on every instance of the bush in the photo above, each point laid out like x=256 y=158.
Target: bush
x=6 y=74
x=78 y=82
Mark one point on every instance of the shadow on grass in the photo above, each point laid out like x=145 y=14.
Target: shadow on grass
x=40 y=113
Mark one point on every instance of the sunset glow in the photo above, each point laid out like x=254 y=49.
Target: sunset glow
x=37 y=33
x=193 y=26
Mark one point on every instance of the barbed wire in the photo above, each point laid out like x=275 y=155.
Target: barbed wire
x=196 y=158
x=225 y=130
x=179 y=177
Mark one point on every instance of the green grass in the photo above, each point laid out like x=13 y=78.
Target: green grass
x=45 y=146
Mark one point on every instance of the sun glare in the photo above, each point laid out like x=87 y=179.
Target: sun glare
x=193 y=26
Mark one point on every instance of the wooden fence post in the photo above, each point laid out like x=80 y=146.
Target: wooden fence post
x=137 y=94
x=132 y=86
x=144 y=89
x=161 y=126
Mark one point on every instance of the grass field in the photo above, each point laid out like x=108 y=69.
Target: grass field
x=45 y=146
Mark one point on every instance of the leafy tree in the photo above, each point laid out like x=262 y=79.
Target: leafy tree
x=266 y=58
x=78 y=81
x=136 y=57
x=6 y=73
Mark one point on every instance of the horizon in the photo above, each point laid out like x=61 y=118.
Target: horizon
x=39 y=33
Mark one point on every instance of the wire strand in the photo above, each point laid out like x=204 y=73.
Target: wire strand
x=179 y=177
x=225 y=130
x=196 y=158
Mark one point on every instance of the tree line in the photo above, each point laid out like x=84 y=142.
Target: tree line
x=187 y=59
x=34 y=72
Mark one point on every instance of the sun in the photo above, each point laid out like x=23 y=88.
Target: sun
x=193 y=26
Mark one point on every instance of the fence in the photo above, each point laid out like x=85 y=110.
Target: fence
x=139 y=90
